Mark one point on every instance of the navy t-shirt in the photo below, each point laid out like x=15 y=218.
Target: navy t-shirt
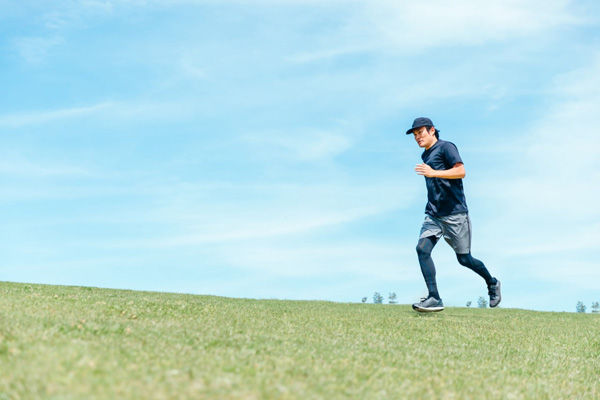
x=444 y=196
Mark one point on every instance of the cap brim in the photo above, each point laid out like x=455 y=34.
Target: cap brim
x=408 y=132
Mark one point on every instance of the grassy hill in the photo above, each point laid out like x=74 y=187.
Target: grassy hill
x=85 y=343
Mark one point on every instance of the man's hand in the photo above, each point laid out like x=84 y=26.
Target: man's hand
x=456 y=172
x=425 y=170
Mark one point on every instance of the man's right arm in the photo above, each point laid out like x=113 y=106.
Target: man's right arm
x=456 y=172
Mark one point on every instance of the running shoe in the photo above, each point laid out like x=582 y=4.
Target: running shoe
x=430 y=304
x=494 y=292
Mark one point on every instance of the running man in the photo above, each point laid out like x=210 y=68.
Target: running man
x=446 y=213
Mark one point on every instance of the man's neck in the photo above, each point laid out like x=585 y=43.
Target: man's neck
x=432 y=144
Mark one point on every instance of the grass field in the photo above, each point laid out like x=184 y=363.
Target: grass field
x=85 y=343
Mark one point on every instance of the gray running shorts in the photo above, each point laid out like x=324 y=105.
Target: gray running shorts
x=455 y=228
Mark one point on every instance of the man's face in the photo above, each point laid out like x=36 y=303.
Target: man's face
x=424 y=137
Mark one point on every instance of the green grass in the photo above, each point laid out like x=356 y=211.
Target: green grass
x=84 y=343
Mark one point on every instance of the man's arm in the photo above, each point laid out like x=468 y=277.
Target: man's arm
x=456 y=172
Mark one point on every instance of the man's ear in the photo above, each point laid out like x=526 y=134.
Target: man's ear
x=432 y=130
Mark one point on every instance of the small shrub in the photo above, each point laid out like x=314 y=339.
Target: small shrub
x=392 y=298
x=482 y=302
x=377 y=298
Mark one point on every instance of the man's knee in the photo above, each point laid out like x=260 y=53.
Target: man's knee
x=465 y=259
x=424 y=247
x=422 y=250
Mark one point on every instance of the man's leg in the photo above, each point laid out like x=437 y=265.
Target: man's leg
x=424 y=248
x=477 y=266
x=457 y=232
x=493 y=284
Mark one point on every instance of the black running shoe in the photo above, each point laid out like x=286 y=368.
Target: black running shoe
x=494 y=292
x=430 y=304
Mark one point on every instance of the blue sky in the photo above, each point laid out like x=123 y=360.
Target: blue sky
x=257 y=148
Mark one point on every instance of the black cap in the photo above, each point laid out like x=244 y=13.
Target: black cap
x=420 y=122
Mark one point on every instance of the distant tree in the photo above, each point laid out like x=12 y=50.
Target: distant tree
x=482 y=302
x=364 y=299
x=377 y=298
x=580 y=307
x=469 y=303
x=392 y=297
x=595 y=307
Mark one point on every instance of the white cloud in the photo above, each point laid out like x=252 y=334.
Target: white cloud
x=41 y=117
x=19 y=166
x=190 y=68
x=318 y=55
x=198 y=214
x=301 y=145
x=418 y=26
x=243 y=2
x=109 y=110
x=251 y=226
x=547 y=193
x=363 y=259
x=425 y=24
x=66 y=13
x=35 y=50
x=580 y=274
x=561 y=149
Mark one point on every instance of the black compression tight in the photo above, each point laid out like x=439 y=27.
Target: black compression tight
x=424 y=248
x=476 y=266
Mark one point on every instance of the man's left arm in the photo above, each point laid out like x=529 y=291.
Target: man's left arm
x=456 y=172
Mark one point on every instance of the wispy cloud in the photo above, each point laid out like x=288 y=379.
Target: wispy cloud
x=65 y=13
x=298 y=144
x=42 y=117
x=19 y=166
x=242 y=214
x=226 y=230
x=421 y=25
x=565 y=138
x=549 y=183
x=360 y=259
x=326 y=54
x=190 y=68
x=137 y=110
x=35 y=50
x=390 y=26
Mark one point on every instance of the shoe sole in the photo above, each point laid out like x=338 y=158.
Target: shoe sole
x=499 y=295
x=427 y=309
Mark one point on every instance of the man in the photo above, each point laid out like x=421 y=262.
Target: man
x=446 y=213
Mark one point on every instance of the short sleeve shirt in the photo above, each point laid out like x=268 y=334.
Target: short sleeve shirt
x=444 y=196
